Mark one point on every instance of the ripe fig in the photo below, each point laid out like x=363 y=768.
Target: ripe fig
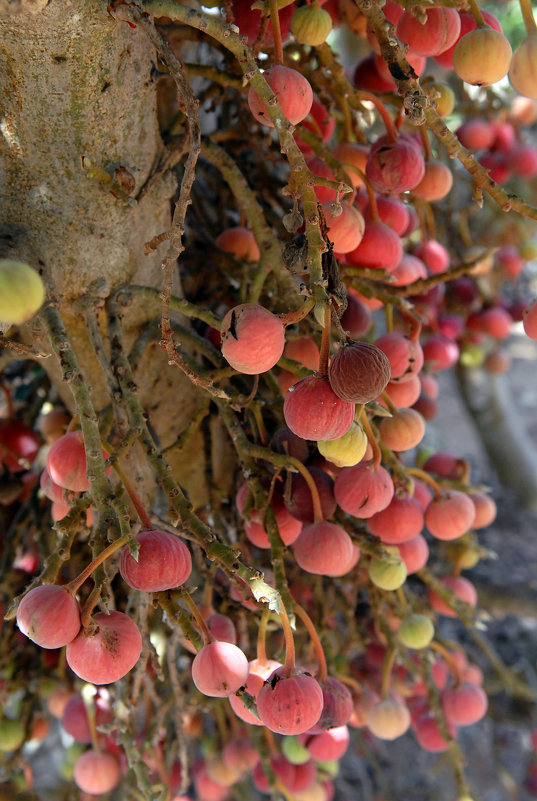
x=106 y=653
x=66 y=462
x=395 y=166
x=240 y=242
x=312 y=410
x=253 y=338
x=219 y=669
x=163 y=562
x=292 y=90
x=439 y=31
x=49 y=615
x=362 y=491
x=325 y=549
x=290 y=704
x=96 y=772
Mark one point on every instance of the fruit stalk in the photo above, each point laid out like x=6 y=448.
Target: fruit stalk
x=204 y=629
x=377 y=454
x=292 y=317
x=306 y=475
x=133 y=495
x=476 y=12
x=452 y=664
x=426 y=477
x=387 y=672
x=312 y=631
x=74 y=585
x=289 y=664
x=262 y=637
x=276 y=31
x=529 y=19
x=325 y=343
x=391 y=130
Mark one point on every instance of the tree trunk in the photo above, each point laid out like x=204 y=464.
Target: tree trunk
x=78 y=102
x=488 y=399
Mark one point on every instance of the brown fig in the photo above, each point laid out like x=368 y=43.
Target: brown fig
x=359 y=372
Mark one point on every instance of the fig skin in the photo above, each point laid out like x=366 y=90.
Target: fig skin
x=108 y=653
x=49 y=616
x=163 y=562
x=253 y=338
x=219 y=669
x=359 y=372
x=312 y=410
x=292 y=90
x=290 y=704
x=395 y=166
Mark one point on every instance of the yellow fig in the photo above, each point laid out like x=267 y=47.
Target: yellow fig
x=22 y=291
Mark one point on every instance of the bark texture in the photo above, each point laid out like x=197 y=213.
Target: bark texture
x=77 y=102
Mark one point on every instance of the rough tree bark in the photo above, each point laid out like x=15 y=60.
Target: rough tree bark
x=78 y=102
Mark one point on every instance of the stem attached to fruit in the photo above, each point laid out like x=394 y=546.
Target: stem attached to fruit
x=426 y=477
x=310 y=481
x=289 y=664
x=372 y=198
x=451 y=662
x=477 y=15
x=74 y=585
x=402 y=597
x=262 y=637
x=428 y=153
x=387 y=672
x=89 y=703
x=292 y=317
x=9 y=401
x=89 y=605
x=377 y=455
x=389 y=403
x=133 y=495
x=529 y=19
x=312 y=631
x=388 y=311
x=325 y=343
x=276 y=32
x=391 y=130
x=189 y=601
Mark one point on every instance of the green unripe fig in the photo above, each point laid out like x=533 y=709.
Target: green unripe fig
x=345 y=451
x=310 y=25
x=388 y=573
x=11 y=734
x=330 y=768
x=416 y=631
x=22 y=291
x=528 y=250
x=472 y=356
x=296 y=753
x=67 y=766
x=464 y=552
